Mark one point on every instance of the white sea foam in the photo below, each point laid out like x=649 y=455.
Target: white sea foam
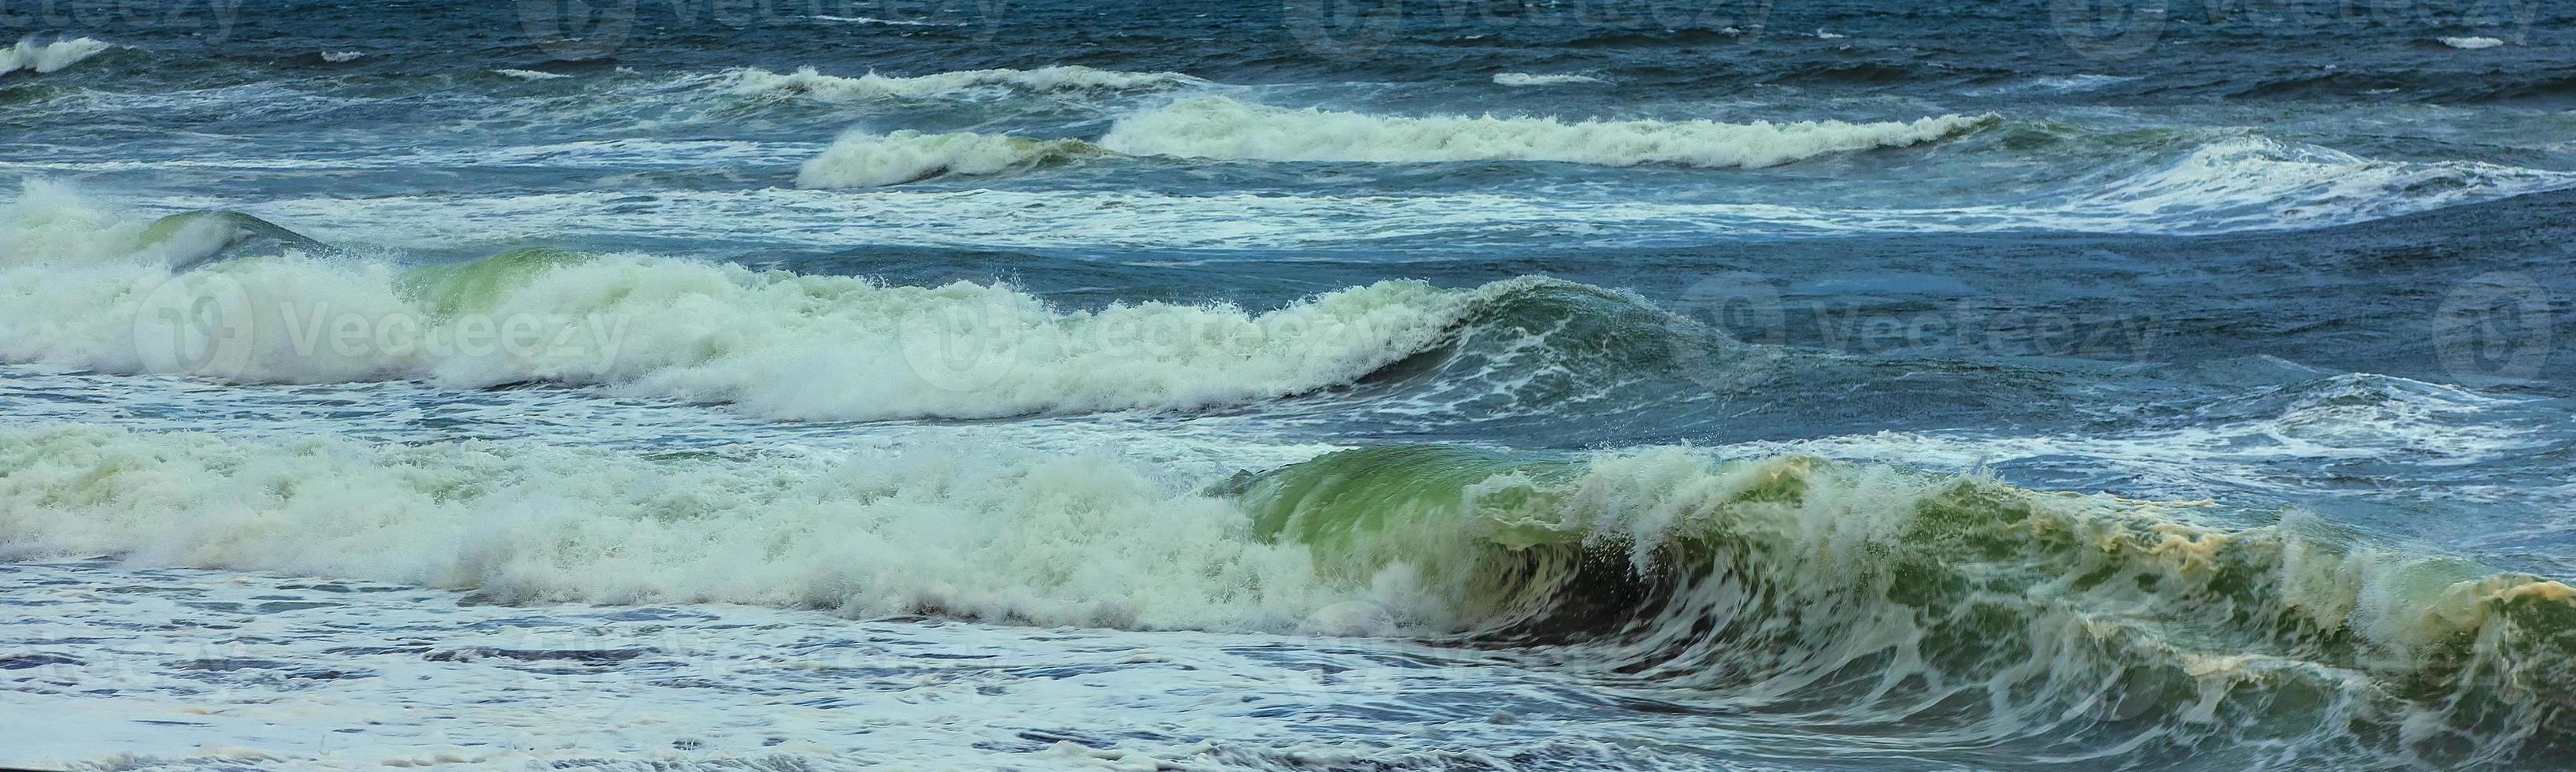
x=50 y=224
x=807 y=82
x=2241 y=454
x=2185 y=196
x=532 y=74
x=2472 y=43
x=774 y=343
x=336 y=57
x=992 y=218
x=976 y=533
x=1528 y=79
x=613 y=155
x=1218 y=127
x=862 y=160
x=29 y=56
x=2260 y=182
x=2232 y=184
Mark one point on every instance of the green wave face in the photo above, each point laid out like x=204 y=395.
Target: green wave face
x=1410 y=506
x=480 y=284
x=1971 y=610
x=190 y=239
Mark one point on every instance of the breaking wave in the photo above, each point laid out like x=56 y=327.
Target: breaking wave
x=40 y=59
x=89 y=290
x=809 y=83
x=1038 y=539
x=2251 y=182
x=1218 y=127
x=1844 y=598
x=1853 y=598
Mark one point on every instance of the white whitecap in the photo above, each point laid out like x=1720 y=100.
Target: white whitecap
x=1218 y=127
x=863 y=160
x=1529 y=79
x=50 y=57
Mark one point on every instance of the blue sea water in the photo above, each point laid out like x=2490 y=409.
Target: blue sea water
x=1370 y=384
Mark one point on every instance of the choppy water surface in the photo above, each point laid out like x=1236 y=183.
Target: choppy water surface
x=1799 y=386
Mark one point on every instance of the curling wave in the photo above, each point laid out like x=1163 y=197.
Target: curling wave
x=1969 y=611
x=1848 y=599
x=1218 y=127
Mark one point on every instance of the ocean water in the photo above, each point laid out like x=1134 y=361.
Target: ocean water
x=1390 y=384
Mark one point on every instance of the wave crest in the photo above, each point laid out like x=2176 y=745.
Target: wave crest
x=2256 y=182
x=971 y=532
x=807 y=82
x=1846 y=598
x=773 y=343
x=49 y=57
x=1960 y=607
x=1529 y=79
x=1218 y=127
